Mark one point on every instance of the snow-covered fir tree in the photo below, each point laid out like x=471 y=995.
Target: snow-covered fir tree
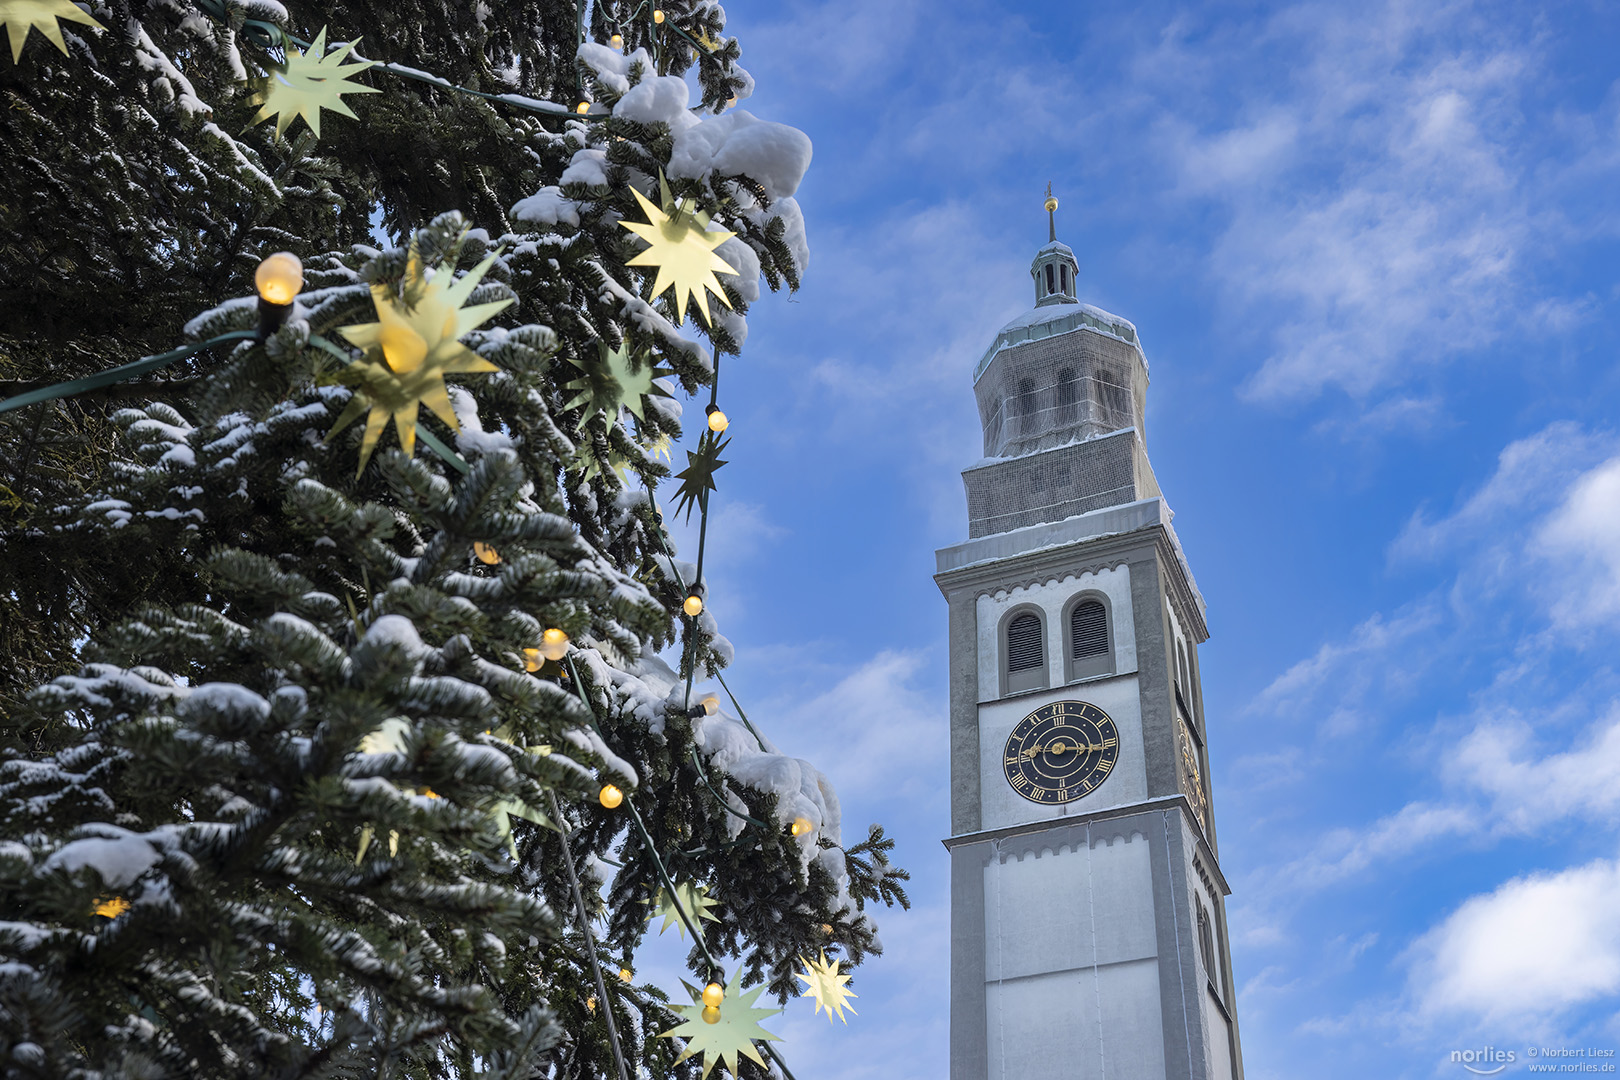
x=288 y=773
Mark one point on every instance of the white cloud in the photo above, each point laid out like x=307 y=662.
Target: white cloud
x=1531 y=473
x=1536 y=945
x=1497 y=760
x=1331 y=687
x=1582 y=537
x=873 y=733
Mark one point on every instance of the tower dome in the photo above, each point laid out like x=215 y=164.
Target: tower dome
x=1062 y=392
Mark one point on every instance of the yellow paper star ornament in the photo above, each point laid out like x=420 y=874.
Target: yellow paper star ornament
x=412 y=346
x=692 y=899
x=681 y=245
x=308 y=83
x=824 y=983
x=614 y=382
x=722 y=1038
x=20 y=16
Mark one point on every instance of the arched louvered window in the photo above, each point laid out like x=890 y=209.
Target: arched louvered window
x=1091 y=651
x=1068 y=396
x=1026 y=652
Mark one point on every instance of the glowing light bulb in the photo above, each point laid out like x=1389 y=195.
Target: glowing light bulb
x=693 y=605
x=625 y=975
x=617 y=41
x=590 y=1003
x=713 y=995
x=731 y=102
x=610 y=796
x=486 y=553
x=801 y=825
x=430 y=793
x=582 y=108
x=711 y=1015
x=658 y=16
x=711 y=705
x=279 y=278
x=718 y=421
x=554 y=644
x=531 y=660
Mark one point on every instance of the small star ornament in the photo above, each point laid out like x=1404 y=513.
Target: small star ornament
x=723 y=1038
x=824 y=983
x=681 y=246
x=692 y=899
x=412 y=346
x=21 y=16
x=308 y=83
x=614 y=381
x=697 y=479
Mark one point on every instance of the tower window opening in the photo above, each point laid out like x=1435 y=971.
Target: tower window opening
x=1091 y=648
x=1024 y=651
x=1063 y=279
x=1088 y=630
x=1068 y=396
x=1050 y=286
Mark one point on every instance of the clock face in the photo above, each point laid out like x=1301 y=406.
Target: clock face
x=1061 y=752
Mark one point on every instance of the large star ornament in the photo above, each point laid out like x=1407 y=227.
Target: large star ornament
x=733 y=1032
x=20 y=16
x=681 y=245
x=824 y=983
x=410 y=349
x=308 y=83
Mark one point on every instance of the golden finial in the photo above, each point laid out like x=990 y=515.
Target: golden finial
x=1051 y=212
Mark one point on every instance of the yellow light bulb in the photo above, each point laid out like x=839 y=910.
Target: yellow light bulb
x=486 y=553
x=554 y=644
x=693 y=605
x=713 y=995
x=711 y=1015
x=711 y=705
x=590 y=1003
x=610 y=796
x=801 y=825
x=718 y=421
x=658 y=16
x=531 y=660
x=279 y=278
x=112 y=908
x=582 y=108
x=731 y=103
x=616 y=41
x=625 y=975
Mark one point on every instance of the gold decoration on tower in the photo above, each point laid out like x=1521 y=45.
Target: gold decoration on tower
x=21 y=16
x=826 y=985
x=681 y=245
x=308 y=83
x=412 y=346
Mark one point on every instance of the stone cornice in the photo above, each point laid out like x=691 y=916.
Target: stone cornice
x=1058 y=561
x=1030 y=831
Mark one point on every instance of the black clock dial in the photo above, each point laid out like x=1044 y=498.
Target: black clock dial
x=1061 y=752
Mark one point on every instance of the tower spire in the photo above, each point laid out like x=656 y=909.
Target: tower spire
x=1051 y=213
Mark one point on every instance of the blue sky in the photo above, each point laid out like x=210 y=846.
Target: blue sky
x=1370 y=250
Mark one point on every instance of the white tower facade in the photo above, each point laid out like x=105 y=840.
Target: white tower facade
x=1088 y=919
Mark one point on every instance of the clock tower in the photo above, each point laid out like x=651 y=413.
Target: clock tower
x=1088 y=914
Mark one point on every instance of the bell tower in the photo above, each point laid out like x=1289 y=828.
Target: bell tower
x=1088 y=916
